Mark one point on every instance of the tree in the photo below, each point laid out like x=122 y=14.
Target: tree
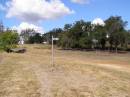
x=67 y=27
x=64 y=40
x=37 y=38
x=81 y=34
x=75 y=34
x=8 y=40
x=114 y=27
x=86 y=38
x=100 y=35
x=27 y=33
x=128 y=37
x=85 y=41
x=48 y=36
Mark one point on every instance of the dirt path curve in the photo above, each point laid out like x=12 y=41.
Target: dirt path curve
x=50 y=79
x=45 y=81
x=59 y=83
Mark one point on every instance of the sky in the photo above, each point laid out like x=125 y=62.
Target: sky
x=44 y=15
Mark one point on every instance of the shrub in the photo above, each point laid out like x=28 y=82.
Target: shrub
x=8 y=40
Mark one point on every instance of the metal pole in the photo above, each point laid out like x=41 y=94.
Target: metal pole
x=52 y=53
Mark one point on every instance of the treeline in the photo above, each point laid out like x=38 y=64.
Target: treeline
x=85 y=35
x=30 y=36
x=78 y=35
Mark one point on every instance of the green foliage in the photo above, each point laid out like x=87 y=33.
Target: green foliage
x=55 y=32
x=83 y=34
x=115 y=27
x=67 y=27
x=128 y=38
x=37 y=38
x=64 y=40
x=99 y=34
x=85 y=42
x=76 y=36
x=27 y=33
x=8 y=40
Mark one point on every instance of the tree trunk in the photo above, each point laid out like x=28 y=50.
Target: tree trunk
x=116 y=48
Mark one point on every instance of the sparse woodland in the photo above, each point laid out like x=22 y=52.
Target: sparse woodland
x=113 y=35
x=84 y=35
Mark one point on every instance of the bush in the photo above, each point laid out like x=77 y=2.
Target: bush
x=8 y=40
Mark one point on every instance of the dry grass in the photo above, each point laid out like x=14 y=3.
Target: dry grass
x=76 y=74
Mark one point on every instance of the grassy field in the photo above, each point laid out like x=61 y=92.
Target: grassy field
x=76 y=73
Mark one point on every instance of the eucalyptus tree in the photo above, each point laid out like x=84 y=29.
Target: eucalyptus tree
x=115 y=27
x=67 y=27
x=87 y=36
x=99 y=34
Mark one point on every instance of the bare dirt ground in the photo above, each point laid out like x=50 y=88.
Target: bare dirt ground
x=76 y=74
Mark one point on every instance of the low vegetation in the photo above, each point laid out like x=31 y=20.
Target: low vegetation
x=75 y=74
x=8 y=39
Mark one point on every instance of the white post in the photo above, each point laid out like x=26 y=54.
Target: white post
x=52 y=53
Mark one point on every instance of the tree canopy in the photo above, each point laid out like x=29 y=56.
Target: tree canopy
x=84 y=35
x=8 y=39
